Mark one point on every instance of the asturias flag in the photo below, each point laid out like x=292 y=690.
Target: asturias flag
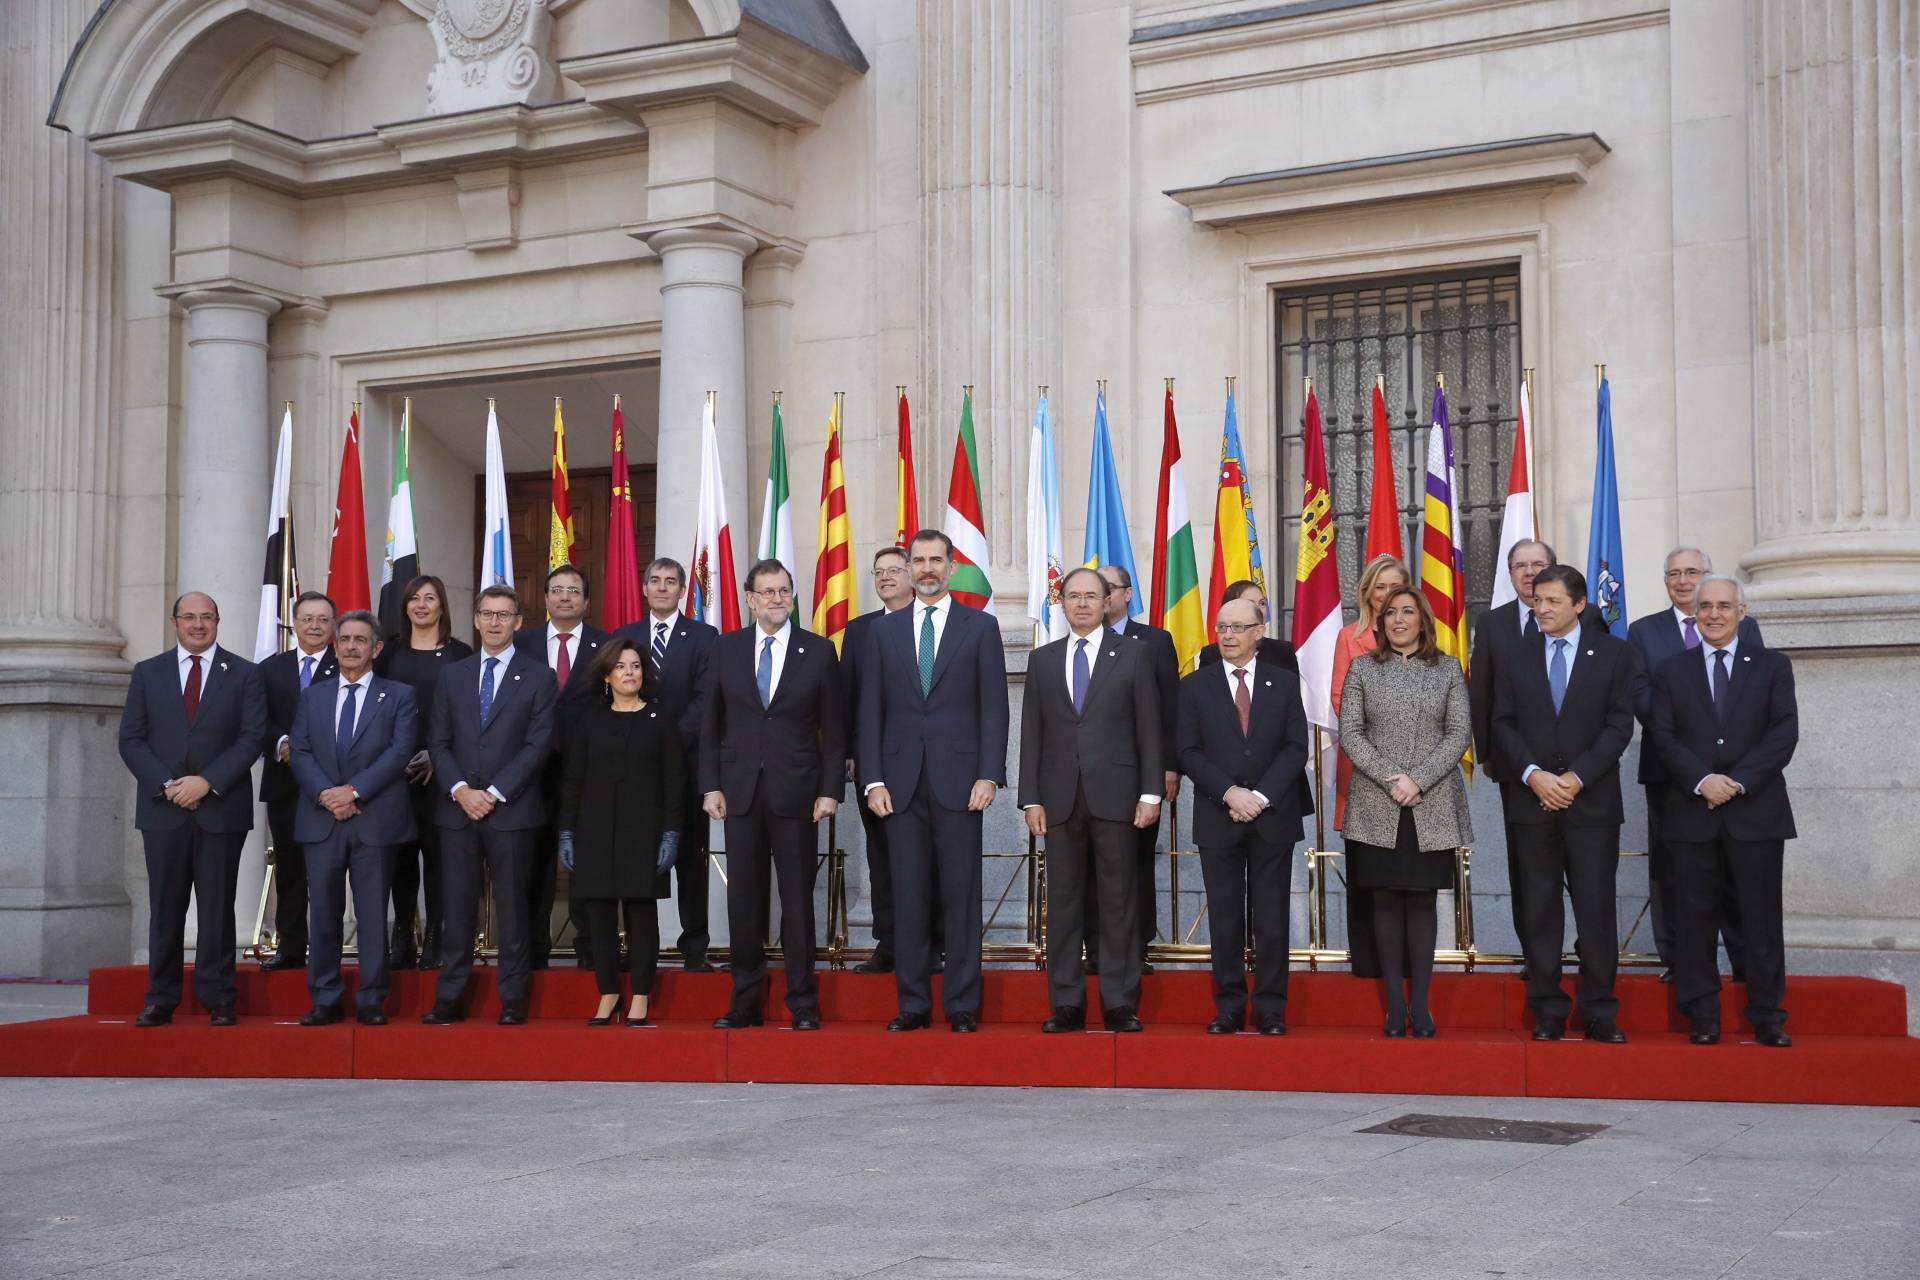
x=1175 y=601
x=347 y=553
x=966 y=521
x=1606 y=567
x=1236 y=541
x=1108 y=539
x=1316 y=579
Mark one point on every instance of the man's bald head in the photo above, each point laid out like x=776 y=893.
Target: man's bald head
x=1237 y=629
x=196 y=621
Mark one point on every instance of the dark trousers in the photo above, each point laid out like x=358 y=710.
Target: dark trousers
x=1585 y=860
x=880 y=881
x=1250 y=875
x=416 y=865
x=1704 y=874
x=1515 y=880
x=1089 y=857
x=690 y=878
x=643 y=942
x=931 y=846
x=507 y=858
x=289 y=880
x=757 y=840
x=1144 y=921
x=543 y=883
x=331 y=864
x=1663 y=894
x=204 y=866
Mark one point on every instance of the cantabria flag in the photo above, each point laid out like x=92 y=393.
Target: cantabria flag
x=966 y=521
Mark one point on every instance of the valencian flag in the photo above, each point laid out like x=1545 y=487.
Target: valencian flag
x=401 y=562
x=496 y=539
x=1045 y=548
x=560 y=543
x=1606 y=568
x=347 y=548
x=1516 y=523
x=1175 y=601
x=620 y=599
x=1236 y=540
x=835 y=593
x=906 y=502
x=713 y=596
x=966 y=521
x=1383 y=510
x=280 y=582
x=776 y=509
x=1108 y=539
x=1441 y=578
x=1316 y=578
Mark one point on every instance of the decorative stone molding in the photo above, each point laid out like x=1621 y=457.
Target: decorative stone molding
x=492 y=52
x=757 y=68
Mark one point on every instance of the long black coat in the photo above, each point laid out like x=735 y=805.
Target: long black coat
x=624 y=785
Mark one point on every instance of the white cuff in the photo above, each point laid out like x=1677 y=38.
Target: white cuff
x=495 y=793
x=1264 y=802
x=1528 y=772
x=868 y=789
x=1146 y=799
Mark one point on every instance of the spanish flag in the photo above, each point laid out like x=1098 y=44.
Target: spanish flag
x=834 y=590
x=560 y=531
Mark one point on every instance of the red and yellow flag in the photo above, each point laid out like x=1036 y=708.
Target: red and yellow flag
x=906 y=506
x=560 y=529
x=834 y=588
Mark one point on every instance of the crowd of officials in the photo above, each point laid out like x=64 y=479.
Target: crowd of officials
x=412 y=767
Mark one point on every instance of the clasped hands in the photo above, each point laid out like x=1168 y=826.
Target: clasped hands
x=1242 y=804
x=880 y=802
x=1406 y=792
x=1556 y=791
x=188 y=792
x=1717 y=788
x=340 y=802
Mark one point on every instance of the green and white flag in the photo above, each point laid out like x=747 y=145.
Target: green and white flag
x=776 y=511
x=401 y=563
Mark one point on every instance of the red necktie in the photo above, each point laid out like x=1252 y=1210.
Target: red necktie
x=1243 y=701
x=192 y=694
x=564 y=667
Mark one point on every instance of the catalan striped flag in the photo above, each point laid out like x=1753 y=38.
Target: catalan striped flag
x=560 y=543
x=1174 y=604
x=1442 y=578
x=1236 y=540
x=835 y=592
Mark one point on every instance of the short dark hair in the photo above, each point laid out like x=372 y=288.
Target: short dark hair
x=586 y=587
x=1239 y=587
x=1106 y=589
x=666 y=562
x=933 y=535
x=498 y=591
x=1126 y=579
x=364 y=616
x=321 y=596
x=1429 y=650
x=769 y=565
x=889 y=551
x=601 y=673
x=1567 y=576
x=415 y=586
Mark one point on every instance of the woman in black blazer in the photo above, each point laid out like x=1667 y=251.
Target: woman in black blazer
x=623 y=805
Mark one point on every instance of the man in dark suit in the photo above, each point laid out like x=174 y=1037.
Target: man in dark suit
x=1090 y=777
x=491 y=730
x=567 y=645
x=1562 y=716
x=1725 y=723
x=287 y=675
x=195 y=721
x=772 y=765
x=1656 y=638
x=1163 y=664
x=352 y=739
x=1243 y=742
x=894 y=589
x=679 y=648
x=933 y=751
x=1499 y=632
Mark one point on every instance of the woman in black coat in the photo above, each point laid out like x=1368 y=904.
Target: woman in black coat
x=623 y=805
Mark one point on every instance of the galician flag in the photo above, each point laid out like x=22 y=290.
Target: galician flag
x=1045 y=552
x=1175 y=602
x=1108 y=539
x=401 y=562
x=280 y=582
x=1236 y=540
x=836 y=594
x=714 y=594
x=776 y=509
x=966 y=521
x=1316 y=578
x=560 y=540
x=496 y=539
x=347 y=549
x=1516 y=524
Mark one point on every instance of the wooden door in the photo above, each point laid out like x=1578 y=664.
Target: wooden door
x=529 y=506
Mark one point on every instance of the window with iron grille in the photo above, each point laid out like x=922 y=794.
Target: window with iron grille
x=1404 y=331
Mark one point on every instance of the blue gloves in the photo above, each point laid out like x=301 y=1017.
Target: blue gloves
x=669 y=850
x=566 y=849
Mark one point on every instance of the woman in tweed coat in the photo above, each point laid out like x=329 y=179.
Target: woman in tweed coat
x=1405 y=724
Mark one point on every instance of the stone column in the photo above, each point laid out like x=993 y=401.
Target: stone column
x=63 y=899
x=1835 y=196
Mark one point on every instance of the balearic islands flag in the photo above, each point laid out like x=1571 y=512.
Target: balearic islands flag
x=1516 y=524
x=280 y=582
x=776 y=509
x=347 y=548
x=966 y=521
x=1236 y=540
x=1108 y=539
x=1175 y=602
x=620 y=599
x=560 y=543
x=836 y=594
x=401 y=563
x=1316 y=578
x=496 y=540
x=1441 y=578
x=713 y=595
x=906 y=499
x=1045 y=549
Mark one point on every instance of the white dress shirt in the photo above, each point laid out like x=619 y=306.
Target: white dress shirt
x=942 y=609
x=1233 y=687
x=1093 y=639
x=781 y=639
x=1572 y=639
x=183 y=659
x=573 y=646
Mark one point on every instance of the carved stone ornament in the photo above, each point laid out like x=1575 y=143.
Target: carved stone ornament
x=492 y=52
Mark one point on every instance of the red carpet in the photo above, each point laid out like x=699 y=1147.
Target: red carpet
x=1850 y=1041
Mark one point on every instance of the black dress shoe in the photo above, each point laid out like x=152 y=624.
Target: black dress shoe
x=513 y=1015
x=910 y=1022
x=538 y=964
x=323 y=1015
x=1705 y=1031
x=875 y=964
x=806 y=1022
x=1549 y=1027
x=1223 y=1026
x=284 y=960
x=964 y=1022
x=221 y=1015
x=1122 y=1018
x=1773 y=1037
x=153 y=1016
x=1273 y=1025
x=739 y=1020
x=1605 y=1031
x=443 y=1014
x=430 y=949
x=1146 y=966
x=372 y=1016
x=1666 y=976
x=697 y=964
x=1065 y=1019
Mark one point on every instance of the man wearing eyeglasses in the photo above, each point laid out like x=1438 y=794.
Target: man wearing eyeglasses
x=568 y=644
x=1656 y=638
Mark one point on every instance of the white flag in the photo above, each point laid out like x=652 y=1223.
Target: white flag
x=1516 y=525
x=280 y=582
x=713 y=594
x=496 y=549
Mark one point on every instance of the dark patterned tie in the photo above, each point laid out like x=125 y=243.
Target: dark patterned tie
x=659 y=645
x=1243 y=702
x=763 y=677
x=564 y=667
x=1080 y=675
x=192 y=694
x=1532 y=628
x=1720 y=683
x=486 y=691
x=926 y=653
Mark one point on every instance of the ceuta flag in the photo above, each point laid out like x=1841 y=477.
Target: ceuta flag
x=835 y=591
x=1316 y=579
x=966 y=521
x=620 y=599
x=347 y=554
x=714 y=597
x=1516 y=524
x=1383 y=512
x=560 y=541
x=906 y=506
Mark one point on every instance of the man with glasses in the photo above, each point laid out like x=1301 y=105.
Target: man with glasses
x=195 y=721
x=568 y=644
x=1656 y=638
x=286 y=676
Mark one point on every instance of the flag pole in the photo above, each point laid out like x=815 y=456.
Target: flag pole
x=1599 y=376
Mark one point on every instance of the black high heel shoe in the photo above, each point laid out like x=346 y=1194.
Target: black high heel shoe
x=641 y=1021
x=606 y=1020
x=1423 y=1028
x=1396 y=1028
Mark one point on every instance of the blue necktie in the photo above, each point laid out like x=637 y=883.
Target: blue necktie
x=1557 y=674
x=306 y=671
x=486 y=691
x=1720 y=683
x=764 y=676
x=1690 y=634
x=343 y=732
x=1079 y=675
x=659 y=645
x=926 y=653
x=1532 y=628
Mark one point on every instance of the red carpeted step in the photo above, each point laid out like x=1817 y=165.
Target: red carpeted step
x=1329 y=1060
x=1850 y=1070
x=190 y=1047
x=867 y=1053
x=1816 y=1005
x=543 y=1049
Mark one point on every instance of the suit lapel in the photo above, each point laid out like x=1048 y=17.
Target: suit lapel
x=1581 y=675
x=371 y=705
x=505 y=681
x=1103 y=669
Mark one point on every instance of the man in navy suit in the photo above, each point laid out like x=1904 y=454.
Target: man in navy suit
x=352 y=738
x=1656 y=638
x=680 y=649
x=286 y=675
x=195 y=721
x=567 y=645
x=772 y=766
x=1725 y=723
x=491 y=730
x=1243 y=741
x=933 y=751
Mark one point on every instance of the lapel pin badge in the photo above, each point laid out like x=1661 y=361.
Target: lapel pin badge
x=799 y=650
x=516 y=677
x=1589 y=653
x=223 y=666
